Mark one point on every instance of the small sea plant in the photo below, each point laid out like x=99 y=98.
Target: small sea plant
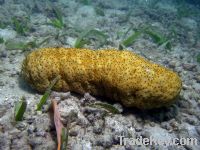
x=13 y=45
x=21 y=27
x=198 y=58
x=85 y=35
x=1 y=40
x=24 y=46
x=20 y=108
x=159 y=39
x=99 y=11
x=47 y=93
x=57 y=22
x=85 y=2
x=3 y=25
x=107 y=107
x=130 y=40
x=64 y=138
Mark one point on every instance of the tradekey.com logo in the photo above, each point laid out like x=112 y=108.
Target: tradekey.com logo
x=151 y=141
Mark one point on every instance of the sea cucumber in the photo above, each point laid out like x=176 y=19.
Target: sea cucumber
x=118 y=75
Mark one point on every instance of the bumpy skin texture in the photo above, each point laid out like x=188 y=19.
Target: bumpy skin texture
x=119 y=75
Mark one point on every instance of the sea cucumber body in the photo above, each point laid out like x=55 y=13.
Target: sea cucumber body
x=119 y=75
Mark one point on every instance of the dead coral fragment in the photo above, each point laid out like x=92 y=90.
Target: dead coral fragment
x=120 y=75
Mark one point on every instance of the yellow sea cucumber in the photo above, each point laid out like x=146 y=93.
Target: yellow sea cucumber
x=119 y=75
